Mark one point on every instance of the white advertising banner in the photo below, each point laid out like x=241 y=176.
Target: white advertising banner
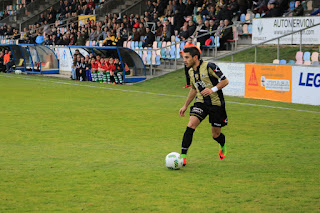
x=264 y=29
x=306 y=85
x=235 y=72
x=65 y=57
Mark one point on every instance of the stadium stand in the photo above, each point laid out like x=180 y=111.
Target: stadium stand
x=170 y=24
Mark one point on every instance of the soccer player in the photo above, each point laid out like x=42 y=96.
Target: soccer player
x=118 y=71
x=94 y=69
x=207 y=81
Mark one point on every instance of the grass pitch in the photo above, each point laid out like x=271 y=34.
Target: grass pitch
x=70 y=146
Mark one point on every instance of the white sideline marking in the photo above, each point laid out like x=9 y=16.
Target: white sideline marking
x=152 y=93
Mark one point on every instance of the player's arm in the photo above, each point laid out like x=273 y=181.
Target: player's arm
x=192 y=94
x=219 y=86
x=215 y=72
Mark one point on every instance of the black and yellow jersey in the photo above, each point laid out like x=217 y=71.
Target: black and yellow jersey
x=207 y=75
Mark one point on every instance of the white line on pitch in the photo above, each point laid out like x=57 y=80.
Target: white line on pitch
x=152 y=93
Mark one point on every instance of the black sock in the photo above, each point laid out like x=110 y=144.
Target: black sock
x=221 y=139
x=187 y=139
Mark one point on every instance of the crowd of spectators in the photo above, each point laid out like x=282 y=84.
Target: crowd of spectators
x=6 y=13
x=160 y=20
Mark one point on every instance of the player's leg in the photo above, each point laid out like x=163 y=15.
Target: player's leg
x=187 y=137
x=119 y=77
x=218 y=119
x=221 y=139
x=197 y=113
x=115 y=77
x=108 y=77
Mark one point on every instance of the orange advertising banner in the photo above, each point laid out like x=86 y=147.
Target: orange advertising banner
x=270 y=82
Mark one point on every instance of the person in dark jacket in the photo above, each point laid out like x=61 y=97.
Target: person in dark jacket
x=191 y=27
x=226 y=34
x=149 y=39
x=274 y=11
x=298 y=9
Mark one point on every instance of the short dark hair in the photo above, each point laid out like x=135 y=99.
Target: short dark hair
x=193 y=51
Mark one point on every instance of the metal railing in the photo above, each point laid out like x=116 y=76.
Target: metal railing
x=264 y=42
x=38 y=14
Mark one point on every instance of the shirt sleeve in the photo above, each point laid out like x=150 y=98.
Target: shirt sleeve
x=215 y=71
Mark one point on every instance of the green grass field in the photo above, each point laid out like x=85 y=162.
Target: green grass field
x=70 y=146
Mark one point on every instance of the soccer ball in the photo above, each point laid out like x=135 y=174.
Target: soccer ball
x=174 y=161
x=18 y=72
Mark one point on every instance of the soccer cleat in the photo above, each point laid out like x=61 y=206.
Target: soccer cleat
x=184 y=161
x=186 y=86
x=222 y=151
x=184 y=158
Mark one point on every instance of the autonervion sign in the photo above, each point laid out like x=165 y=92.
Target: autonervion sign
x=264 y=29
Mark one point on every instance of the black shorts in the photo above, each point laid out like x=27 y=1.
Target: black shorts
x=217 y=114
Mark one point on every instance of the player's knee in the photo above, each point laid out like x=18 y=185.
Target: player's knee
x=192 y=125
x=215 y=134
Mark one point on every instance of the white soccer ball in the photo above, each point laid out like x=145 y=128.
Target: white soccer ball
x=18 y=72
x=174 y=161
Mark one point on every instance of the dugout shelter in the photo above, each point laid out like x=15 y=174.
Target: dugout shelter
x=32 y=58
x=133 y=68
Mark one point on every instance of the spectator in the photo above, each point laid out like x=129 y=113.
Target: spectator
x=234 y=7
x=73 y=40
x=243 y=6
x=135 y=35
x=149 y=7
x=273 y=10
x=81 y=70
x=184 y=34
x=109 y=39
x=178 y=20
x=189 y=8
x=39 y=39
x=224 y=13
x=226 y=34
x=298 y=9
x=149 y=38
x=260 y=6
x=191 y=27
x=316 y=12
x=87 y=64
x=47 y=40
x=199 y=26
x=142 y=30
x=159 y=29
x=168 y=10
x=103 y=35
x=166 y=35
x=118 y=41
x=93 y=35
x=202 y=31
x=220 y=28
x=212 y=26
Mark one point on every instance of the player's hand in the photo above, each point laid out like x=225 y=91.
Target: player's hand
x=206 y=92
x=182 y=111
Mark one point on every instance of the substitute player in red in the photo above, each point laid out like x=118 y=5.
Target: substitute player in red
x=207 y=80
